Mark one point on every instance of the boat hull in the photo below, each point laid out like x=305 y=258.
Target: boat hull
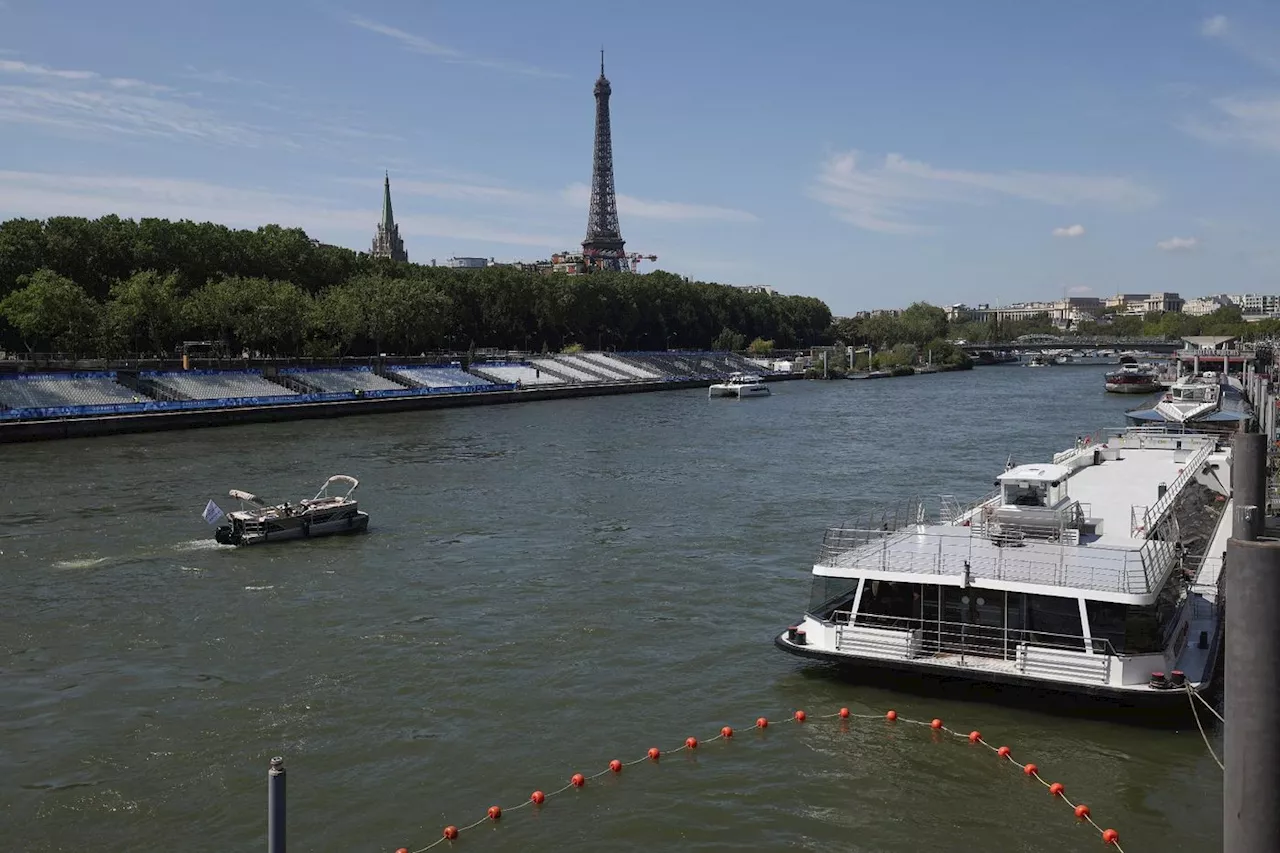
x=298 y=528
x=1134 y=387
x=718 y=391
x=1130 y=696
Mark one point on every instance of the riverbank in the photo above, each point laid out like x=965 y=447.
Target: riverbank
x=52 y=429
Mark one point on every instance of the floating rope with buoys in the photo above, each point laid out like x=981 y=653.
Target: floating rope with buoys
x=578 y=780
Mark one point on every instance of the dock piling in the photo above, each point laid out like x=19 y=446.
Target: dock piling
x=275 y=806
x=1248 y=483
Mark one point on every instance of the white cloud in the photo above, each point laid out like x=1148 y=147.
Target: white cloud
x=885 y=197
x=579 y=195
x=87 y=103
x=1080 y=290
x=1252 y=121
x=1215 y=26
x=1069 y=231
x=425 y=46
x=1178 y=244
x=39 y=194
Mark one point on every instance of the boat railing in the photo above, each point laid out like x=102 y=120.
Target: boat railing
x=1034 y=653
x=958 y=552
x=1155 y=514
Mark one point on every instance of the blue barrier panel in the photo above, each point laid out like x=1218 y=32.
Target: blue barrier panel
x=248 y=371
x=36 y=377
x=353 y=369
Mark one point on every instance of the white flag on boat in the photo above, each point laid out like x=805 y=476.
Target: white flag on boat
x=213 y=512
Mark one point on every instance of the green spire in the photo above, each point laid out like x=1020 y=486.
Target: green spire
x=388 y=221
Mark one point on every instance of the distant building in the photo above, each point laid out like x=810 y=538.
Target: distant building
x=469 y=263
x=757 y=288
x=387 y=242
x=1257 y=306
x=1206 y=305
x=1145 y=303
x=1063 y=313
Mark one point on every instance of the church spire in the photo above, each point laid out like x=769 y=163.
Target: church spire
x=386 y=241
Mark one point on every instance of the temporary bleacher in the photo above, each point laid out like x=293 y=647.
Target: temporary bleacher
x=624 y=367
x=572 y=373
x=362 y=379
x=198 y=385
x=586 y=365
x=53 y=392
x=526 y=374
x=438 y=377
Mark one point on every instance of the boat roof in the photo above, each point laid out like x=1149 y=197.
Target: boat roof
x=1035 y=473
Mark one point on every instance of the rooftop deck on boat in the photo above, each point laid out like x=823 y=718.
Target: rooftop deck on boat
x=1112 y=556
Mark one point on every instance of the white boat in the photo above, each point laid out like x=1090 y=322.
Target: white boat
x=1039 y=361
x=324 y=515
x=1133 y=378
x=1072 y=577
x=1202 y=400
x=739 y=385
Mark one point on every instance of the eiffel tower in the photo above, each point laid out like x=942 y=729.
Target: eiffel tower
x=602 y=249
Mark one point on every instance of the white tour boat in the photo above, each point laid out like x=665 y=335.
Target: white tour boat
x=324 y=515
x=739 y=385
x=1206 y=400
x=1097 y=574
x=1040 y=361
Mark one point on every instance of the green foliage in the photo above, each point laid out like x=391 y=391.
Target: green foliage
x=149 y=284
x=729 y=340
x=760 y=347
x=571 y=349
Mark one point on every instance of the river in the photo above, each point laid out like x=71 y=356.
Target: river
x=544 y=587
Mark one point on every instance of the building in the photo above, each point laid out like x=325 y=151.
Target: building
x=1063 y=313
x=1145 y=303
x=757 y=288
x=469 y=263
x=1257 y=306
x=386 y=241
x=1206 y=305
x=603 y=247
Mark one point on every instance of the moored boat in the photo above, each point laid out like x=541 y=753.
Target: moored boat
x=1072 y=577
x=1134 y=378
x=325 y=514
x=1206 y=400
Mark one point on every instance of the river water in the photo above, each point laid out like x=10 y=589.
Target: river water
x=544 y=587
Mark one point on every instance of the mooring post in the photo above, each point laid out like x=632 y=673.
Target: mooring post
x=1251 y=799
x=1249 y=482
x=275 y=806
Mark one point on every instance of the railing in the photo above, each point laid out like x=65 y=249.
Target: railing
x=1189 y=469
x=1042 y=654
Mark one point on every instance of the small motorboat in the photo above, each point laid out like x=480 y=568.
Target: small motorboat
x=739 y=385
x=330 y=512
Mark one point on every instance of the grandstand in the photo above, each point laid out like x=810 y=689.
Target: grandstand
x=586 y=365
x=217 y=385
x=351 y=379
x=574 y=374
x=618 y=365
x=509 y=373
x=44 y=391
x=438 y=377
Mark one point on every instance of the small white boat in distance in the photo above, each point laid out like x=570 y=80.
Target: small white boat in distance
x=326 y=514
x=739 y=385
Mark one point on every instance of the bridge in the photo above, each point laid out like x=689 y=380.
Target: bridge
x=1047 y=342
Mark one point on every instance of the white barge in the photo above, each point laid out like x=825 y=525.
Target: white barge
x=1074 y=576
x=326 y=514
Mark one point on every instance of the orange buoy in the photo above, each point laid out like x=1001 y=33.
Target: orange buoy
x=844 y=713
x=1082 y=811
x=654 y=752
x=1056 y=789
x=1030 y=769
x=936 y=724
x=451 y=832
x=891 y=716
x=1110 y=836
x=691 y=743
x=762 y=723
x=538 y=798
x=799 y=716
x=402 y=850
x=615 y=766
x=578 y=780
x=1003 y=752
x=974 y=737
x=726 y=732
x=495 y=812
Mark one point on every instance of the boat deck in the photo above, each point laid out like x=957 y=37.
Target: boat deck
x=1112 y=561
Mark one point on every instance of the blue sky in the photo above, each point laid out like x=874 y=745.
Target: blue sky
x=867 y=153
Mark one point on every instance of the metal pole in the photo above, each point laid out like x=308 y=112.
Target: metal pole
x=1249 y=479
x=275 y=806
x=1251 y=799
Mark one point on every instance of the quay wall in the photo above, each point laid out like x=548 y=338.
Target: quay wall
x=140 y=422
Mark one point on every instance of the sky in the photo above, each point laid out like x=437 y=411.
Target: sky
x=867 y=153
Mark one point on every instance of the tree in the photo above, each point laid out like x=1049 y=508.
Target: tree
x=729 y=341
x=144 y=313
x=760 y=347
x=52 y=311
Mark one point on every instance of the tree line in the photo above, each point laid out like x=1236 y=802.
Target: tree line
x=112 y=287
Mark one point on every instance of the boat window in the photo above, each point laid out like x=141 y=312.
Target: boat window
x=1054 y=621
x=1018 y=494
x=890 y=604
x=1107 y=622
x=830 y=594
